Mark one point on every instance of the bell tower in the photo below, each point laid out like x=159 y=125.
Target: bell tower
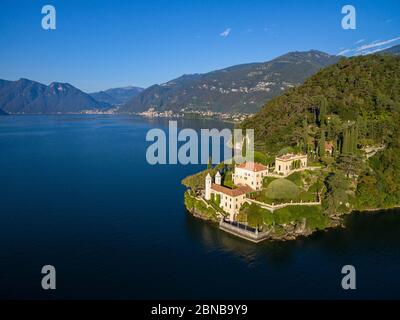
x=208 y=187
x=218 y=178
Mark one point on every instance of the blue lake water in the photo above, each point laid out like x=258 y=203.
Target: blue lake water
x=76 y=192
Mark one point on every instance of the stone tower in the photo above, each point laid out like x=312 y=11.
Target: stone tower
x=208 y=187
x=218 y=178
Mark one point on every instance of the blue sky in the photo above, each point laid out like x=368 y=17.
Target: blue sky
x=101 y=44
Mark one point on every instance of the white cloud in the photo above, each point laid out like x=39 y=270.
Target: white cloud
x=359 y=41
x=225 y=33
x=344 y=52
x=374 y=50
x=372 y=47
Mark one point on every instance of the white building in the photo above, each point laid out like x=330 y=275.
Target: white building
x=285 y=164
x=250 y=174
x=230 y=200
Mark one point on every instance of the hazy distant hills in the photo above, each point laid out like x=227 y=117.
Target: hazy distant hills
x=241 y=88
x=116 y=96
x=2 y=113
x=27 y=96
x=393 y=50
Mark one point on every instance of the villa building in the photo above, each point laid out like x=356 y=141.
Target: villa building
x=285 y=164
x=230 y=200
x=247 y=178
x=250 y=174
x=329 y=147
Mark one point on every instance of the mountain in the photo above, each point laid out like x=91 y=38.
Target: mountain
x=116 y=96
x=363 y=89
x=241 y=88
x=2 y=113
x=393 y=50
x=27 y=96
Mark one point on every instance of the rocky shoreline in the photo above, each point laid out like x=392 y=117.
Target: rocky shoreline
x=291 y=231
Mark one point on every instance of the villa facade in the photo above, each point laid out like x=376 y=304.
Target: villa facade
x=230 y=200
x=284 y=165
x=250 y=174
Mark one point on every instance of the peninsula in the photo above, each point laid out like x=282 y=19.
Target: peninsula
x=324 y=149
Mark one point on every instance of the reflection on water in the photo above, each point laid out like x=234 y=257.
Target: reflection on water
x=274 y=253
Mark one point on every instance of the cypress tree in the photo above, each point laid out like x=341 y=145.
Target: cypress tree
x=322 y=109
x=305 y=136
x=322 y=143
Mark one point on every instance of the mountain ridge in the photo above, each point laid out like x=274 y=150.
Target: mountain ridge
x=240 y=88
x=116 y=96
x=29 y=96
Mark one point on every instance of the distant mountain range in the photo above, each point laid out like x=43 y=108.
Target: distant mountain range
x=27 y=96
x=2 y=113
x=241 y=88
x=116 y=96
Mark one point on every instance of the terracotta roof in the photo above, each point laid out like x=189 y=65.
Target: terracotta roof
x=290 y=156
x=252 y=166
x=329 y=145
x=241 y=190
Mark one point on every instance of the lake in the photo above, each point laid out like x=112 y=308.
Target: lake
x=77 y=192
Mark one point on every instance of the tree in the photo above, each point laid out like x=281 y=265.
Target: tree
x=323 y=106
x=351 y=165
x=336 y=196
x=305 y=136
x=321 y=149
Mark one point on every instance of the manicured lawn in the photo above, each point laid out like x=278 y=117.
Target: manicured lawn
x=282 y=189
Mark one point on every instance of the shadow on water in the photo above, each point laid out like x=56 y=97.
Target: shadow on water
x=276 y=254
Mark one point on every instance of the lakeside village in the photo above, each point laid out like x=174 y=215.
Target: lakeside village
x=256 y=202
x=196 y=114
x=184 y=113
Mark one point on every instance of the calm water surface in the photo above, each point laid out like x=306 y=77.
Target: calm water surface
x=76 y=192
